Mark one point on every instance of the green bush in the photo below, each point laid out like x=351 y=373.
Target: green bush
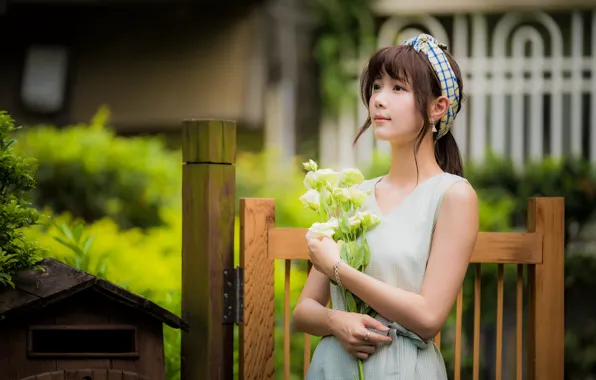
x=90 y=172
x=16 y=214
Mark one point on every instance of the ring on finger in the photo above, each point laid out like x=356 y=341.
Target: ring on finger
x=367 y=336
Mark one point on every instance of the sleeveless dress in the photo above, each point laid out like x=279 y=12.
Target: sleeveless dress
x=400 y=247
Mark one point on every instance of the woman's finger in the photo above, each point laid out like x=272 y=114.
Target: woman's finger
x=362 y=355
x=373 y=338
x=366 y=348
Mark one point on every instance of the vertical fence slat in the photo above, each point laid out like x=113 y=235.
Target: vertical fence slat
x=477 y=289
x=519 y=322
x=307 y=338
x=208 y=196
x=546 y=291
x=256 y=334
x=287 y=320
x=499 y=361
x=458 y=337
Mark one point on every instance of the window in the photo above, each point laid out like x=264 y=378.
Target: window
x=44 y=78
x=83 y=341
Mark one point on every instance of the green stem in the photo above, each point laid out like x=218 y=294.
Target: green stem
x=360 y=370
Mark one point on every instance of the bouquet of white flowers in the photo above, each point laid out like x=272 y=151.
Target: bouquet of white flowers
x=337 y=199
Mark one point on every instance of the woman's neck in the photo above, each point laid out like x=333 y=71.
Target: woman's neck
x=403 y=165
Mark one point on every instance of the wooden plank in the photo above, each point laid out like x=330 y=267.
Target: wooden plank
x=546 y=291
x=491 y=247
x=78 y=374
x=56 y=278
x=85 y=308
x=126 y=375
x=208 y=197
x=13 y=298
x=458 y=333
x=519 y=320
x=55 y=375
x=256 y=334
x=14 y=363
x=287 y=317
x=476 y=349
x=100 y=374
x=499 y=343
x=114 y=374
x=209 y=141
x=149 y=344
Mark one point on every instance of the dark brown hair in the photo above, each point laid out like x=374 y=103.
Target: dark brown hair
x=406 y=64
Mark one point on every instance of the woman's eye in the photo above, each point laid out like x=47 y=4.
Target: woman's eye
x=398 y=88
x=376 y=87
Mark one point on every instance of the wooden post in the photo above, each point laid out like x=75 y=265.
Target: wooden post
x=547 y=286
x=208 y=191
x=257 y=341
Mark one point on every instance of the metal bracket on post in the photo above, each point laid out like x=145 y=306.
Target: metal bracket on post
x=233 y=296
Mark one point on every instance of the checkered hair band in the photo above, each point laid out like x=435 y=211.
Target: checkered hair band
x=449 y=87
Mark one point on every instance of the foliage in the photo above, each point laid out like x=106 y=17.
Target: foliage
x=343 y=29
x=72 y=238
x=90 y=172
x=16 y=213
x=571 y=178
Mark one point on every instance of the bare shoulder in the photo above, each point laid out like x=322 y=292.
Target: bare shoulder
x=460 y=194
x=458 y=215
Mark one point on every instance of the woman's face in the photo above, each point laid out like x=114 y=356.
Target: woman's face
x=393 y=112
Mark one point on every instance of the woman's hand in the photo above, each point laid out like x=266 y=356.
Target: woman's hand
x=323 y=252
x=350 y=329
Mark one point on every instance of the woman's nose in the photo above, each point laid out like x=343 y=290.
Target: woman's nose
x=380 y=100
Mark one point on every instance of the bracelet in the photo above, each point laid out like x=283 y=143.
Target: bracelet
x=336 y=272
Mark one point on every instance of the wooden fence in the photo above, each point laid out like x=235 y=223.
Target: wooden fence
x=216 y=295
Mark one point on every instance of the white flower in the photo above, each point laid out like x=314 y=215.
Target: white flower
x=311 y=199
x=310 y=181
x=327 y=177
x=311 y=166
x=367 y=219
x=351 y=177
x=355 y=222
x=357 y=196
x=341 y=194
x=327 y=228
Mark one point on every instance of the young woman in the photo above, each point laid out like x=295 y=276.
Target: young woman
x=429 y=223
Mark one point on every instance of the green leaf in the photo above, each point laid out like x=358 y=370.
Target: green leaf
x=365 y=253
x=351 y=303
x=87 y=244
x=77 y=232
x=357 y=254
x=343 y=253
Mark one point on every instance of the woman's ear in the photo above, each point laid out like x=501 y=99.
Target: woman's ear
x=438 y=107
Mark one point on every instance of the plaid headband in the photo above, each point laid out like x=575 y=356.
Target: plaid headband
x=449 y=87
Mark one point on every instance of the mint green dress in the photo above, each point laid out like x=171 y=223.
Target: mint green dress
x=400 y=247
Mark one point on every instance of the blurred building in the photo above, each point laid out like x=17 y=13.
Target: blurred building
x=153 y=62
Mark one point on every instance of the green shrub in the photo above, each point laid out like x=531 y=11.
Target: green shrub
x=90 y=172
x=16 y=214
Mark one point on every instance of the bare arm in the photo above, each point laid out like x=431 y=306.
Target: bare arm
x=312 y=317
x=452 y=245
x=311 y=314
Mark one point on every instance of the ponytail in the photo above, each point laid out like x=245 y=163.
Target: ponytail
x=448 y=156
